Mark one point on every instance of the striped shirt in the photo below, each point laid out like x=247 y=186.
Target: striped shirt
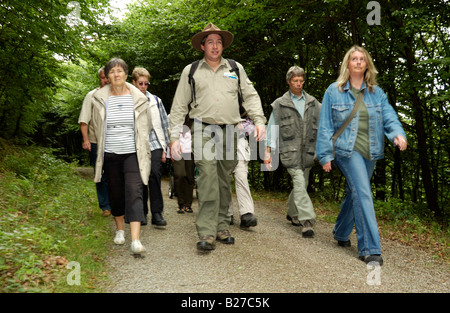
x=120 y=125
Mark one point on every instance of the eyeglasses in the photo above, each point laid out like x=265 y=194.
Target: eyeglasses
x=144 y=83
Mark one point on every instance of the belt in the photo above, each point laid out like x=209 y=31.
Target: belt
x=207 y=124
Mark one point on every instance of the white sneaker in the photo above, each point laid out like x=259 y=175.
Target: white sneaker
x=137 y=247
x=120 y=237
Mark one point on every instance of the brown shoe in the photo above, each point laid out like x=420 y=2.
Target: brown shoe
x=224 y=236
x=294 y=220
x=307 y=231
x=206 y=243
x=106 y=213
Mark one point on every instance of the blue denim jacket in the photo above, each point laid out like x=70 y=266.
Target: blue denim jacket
x=336 y=107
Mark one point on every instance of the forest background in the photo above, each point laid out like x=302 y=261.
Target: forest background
x=50 y=52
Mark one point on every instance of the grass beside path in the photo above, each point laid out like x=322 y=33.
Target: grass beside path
x=52 y=236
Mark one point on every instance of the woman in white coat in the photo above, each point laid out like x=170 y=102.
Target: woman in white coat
x=122 y=122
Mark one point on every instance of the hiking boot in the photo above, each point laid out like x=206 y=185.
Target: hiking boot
x=224 y=236
x=248 y=220
x=307 y=231
x=206 y=243
x=294 y=220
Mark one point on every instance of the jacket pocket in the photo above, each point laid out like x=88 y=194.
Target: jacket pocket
x=340 y=112
x=287 y=127
x=289 y=156
x=308 y=157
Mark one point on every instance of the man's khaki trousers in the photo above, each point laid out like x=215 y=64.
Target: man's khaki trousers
x=215 y=156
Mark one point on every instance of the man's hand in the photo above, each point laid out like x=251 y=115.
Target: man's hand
x=84 y=128
x=86 y=145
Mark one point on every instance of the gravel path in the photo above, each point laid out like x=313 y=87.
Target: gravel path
x=270 y=258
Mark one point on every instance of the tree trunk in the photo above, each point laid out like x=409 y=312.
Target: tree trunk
x=427 y=180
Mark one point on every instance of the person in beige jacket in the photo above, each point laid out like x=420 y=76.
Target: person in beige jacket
x=122 y=119
x=90 y=141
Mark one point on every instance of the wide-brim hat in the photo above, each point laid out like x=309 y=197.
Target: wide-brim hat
x=211 y=29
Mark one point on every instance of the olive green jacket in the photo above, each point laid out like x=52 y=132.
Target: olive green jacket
x=297 y=136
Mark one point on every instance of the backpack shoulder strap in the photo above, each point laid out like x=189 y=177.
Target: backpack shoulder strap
x=191 y=81
x=235 y=68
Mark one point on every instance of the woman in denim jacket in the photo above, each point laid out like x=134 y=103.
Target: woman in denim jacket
x=359 y=146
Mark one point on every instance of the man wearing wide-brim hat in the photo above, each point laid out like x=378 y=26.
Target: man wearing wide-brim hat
x=213 y=107
x=198 y=39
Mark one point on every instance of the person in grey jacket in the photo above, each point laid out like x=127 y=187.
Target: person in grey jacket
x=295 y=116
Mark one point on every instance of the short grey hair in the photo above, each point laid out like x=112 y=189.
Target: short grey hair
x=115 y=62
x=102 y=69
x=294 y=71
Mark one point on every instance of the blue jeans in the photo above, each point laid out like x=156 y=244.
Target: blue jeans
x=102 y=187
x=357 y=208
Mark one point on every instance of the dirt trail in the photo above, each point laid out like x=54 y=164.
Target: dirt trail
x=270 y=258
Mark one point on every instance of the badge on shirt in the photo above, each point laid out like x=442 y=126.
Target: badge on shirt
x=230 y=75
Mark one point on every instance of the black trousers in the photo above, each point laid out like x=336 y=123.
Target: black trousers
x=154 y=185
x=125 y=186
x=184 y=174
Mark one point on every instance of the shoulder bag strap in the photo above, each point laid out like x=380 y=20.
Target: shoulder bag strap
x=349 y=119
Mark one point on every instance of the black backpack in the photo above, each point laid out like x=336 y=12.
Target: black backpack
x=234 y=68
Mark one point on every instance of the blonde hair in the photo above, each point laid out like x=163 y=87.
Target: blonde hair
x=138 y=72
x=370 y=76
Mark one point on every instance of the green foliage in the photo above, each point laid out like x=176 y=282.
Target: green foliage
x=49 y=216
x=60 y=121
x=34 y=37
